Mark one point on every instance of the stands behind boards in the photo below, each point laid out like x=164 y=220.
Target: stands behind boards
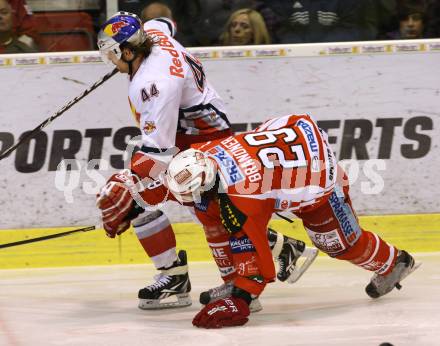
x=65 y=31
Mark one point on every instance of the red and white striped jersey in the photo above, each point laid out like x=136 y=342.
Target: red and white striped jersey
x=287 y=160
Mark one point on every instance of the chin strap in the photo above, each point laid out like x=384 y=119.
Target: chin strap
x=130 y=67
x=130 y=62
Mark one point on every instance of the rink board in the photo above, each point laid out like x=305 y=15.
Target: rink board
x=416 y=233
x=378 y=101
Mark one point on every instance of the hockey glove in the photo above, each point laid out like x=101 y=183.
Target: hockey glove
x=116 y=202
x=227 y=312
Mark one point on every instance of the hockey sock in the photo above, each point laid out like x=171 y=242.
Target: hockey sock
x=157 y=237
x=218 y=241
x=371 y=253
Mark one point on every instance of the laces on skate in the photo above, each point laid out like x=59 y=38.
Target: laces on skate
x=171 y=289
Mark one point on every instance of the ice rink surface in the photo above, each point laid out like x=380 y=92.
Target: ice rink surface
x=328 y=306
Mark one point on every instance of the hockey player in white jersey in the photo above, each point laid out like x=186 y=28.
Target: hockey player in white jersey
x=175 y=106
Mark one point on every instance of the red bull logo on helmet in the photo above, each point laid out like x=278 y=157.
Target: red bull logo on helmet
x=113 y=28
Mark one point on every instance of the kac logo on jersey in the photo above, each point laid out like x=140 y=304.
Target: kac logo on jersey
x=243 y=244
x=228 y=165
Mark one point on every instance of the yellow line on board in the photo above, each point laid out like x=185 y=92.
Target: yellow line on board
x=415 y=233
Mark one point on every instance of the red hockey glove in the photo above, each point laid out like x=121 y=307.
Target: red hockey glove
x=227 y=312
x=116 y=202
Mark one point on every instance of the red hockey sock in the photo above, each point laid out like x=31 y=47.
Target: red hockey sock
x=218 y=241
x=371 y=253
x=157 y=237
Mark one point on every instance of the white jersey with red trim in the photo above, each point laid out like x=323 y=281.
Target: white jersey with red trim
x=170 y=93
x=286 y=159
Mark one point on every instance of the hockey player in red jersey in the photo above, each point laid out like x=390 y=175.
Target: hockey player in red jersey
x=175 y=106
x=284 y=165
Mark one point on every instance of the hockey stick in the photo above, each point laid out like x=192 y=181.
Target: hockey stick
x=46 y=122
x=284 y=218
x=46 y=237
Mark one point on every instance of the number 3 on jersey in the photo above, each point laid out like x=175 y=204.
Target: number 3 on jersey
x=270 y=137
x=197 y=70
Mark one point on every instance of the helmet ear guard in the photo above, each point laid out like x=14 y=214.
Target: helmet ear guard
x=189 y=174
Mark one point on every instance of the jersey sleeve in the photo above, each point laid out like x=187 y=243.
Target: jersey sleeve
x=163 y=24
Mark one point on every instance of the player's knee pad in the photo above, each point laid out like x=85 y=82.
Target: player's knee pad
x=339 y=215
x=334 y=242
x=146 y=217
x=148 y=222
x=329 y=242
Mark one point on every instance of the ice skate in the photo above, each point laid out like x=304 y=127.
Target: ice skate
x=294 y=259
x=223 y=291
x=171 y=283
x=383 y=284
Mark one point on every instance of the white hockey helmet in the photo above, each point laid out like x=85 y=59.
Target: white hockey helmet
x=118 y=29
x=189 y=174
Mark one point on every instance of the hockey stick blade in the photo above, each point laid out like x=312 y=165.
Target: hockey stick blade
x=46 y=122
x=46 y=237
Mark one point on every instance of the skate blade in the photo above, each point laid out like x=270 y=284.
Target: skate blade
x=414 y=267
x=182 y=301
x=307 y=258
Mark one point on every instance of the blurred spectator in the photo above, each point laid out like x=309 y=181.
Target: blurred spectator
x=186 y=14
x=23 y=24
x=412 y=20
x=433 y=25
x=8 y=38
x=370 y=18
x=136 y=6
x=132 y=6
x=304 y=21
x=386 y=12
x=159 y=9
x=245 y=27
x=272 y=19
x=155 y=10
x=212 y=19
x=199 y=22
